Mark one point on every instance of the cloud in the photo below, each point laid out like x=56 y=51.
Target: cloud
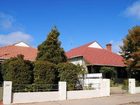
x=15 y=37
x=6 y=21
x=9 y=23
x=116 y=46
x=133 y=10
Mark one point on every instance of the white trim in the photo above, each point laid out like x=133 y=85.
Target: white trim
x=22 y=44
x=95 y=45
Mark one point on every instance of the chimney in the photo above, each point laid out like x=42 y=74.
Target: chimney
x=109 y=47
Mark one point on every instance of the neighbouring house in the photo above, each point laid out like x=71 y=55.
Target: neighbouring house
x=93 y=56
x=7 y=52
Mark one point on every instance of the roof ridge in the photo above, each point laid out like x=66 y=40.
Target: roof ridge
x=17 y=46
x=84 y=45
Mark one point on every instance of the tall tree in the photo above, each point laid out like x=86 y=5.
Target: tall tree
x=50 y=50
x=131 y=49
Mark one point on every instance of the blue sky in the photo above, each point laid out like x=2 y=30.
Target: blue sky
x=79 y=21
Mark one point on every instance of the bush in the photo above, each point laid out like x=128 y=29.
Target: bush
x=108 y=72
x=137 y=83
x=45 y=73
x=125 y=85
x=69 y=72
x=18 y=70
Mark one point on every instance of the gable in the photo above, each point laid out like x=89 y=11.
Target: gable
x=95 y=45
x=22 y=44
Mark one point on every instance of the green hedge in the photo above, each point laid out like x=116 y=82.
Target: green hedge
x=45 y=73
x=69 y=72
x=18 y=70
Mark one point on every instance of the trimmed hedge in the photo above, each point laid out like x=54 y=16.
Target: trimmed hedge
x=45 y=73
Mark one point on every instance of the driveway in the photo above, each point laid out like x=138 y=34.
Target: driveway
x=116 y=99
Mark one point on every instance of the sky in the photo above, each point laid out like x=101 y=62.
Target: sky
x=78 y=21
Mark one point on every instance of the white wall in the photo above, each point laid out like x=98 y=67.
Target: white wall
x=104 y=90
x=132 y=87
x=62 y=90
x=105 y=87
x=7 y=92
x=62 y=94
x=27 y=97
x=95 y=83
x=137 y=89
x=80 y=94
x=78 y=60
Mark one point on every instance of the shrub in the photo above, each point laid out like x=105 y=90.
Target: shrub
x=18 y=70
x=45 y=73
x=108 y=72
x=137 y=83
x=69 y=72
x=125 y=85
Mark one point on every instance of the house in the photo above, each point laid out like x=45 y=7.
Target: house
x=92 y=56
x=7 y=52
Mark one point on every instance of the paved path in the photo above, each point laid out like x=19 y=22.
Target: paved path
x=116 y=99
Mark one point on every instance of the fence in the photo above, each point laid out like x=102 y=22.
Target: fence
x=100 y=90
x=34 y=87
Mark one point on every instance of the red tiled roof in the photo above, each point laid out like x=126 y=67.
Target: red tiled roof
x=7 y=52
x=96 y=56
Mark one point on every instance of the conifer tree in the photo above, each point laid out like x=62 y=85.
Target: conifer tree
x=50 y=50
x=131 y=49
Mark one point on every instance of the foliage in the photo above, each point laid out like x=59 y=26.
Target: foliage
x=69 y=72
x=137 y=83
x=45 y=73
x=1 y=77
x=113 y=83
x=125 y=85
x=18 y=70
x=108 y=70
x=50 y=50
x=131 y=49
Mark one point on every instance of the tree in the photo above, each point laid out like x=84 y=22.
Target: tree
x=18 y=70
x=131 y=49
x=45 y=72
x=69 y=72
x=50 y=50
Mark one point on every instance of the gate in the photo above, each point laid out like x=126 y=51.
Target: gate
x=119 y=86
